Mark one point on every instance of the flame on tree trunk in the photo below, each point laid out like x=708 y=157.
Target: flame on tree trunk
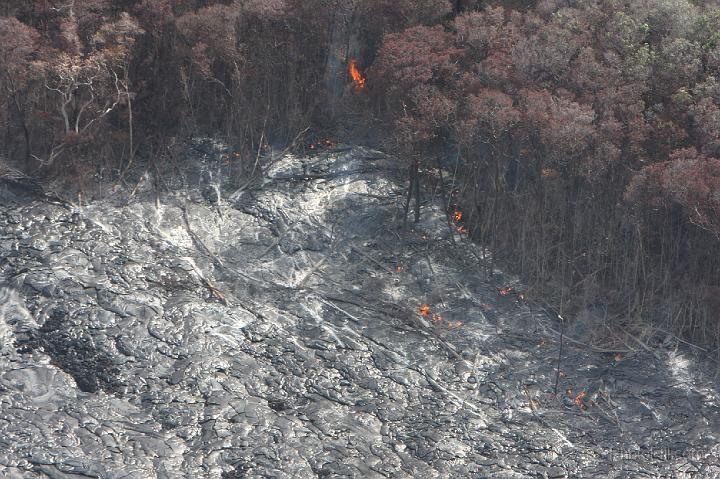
x=357 y=77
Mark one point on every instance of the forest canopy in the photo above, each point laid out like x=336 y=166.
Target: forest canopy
x=586 y=134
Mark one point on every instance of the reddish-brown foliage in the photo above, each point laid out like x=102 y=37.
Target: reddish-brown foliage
x=214 y=27
x=487 y=115
x=415 y=56
x=18 y=42
x=155 y=15
x=565 y=128
x=688 y=179
x=706 y=119
x=397 y=14
x=485 y=32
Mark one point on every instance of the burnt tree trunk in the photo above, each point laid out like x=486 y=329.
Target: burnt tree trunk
x=408 y=200
x=416 y=175
x=344 y=44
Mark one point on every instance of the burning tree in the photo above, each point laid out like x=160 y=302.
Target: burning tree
x=358 y=78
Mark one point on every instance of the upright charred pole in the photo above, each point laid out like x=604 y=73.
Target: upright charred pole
x=342 y=55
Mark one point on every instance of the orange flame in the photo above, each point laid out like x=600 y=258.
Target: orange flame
x=425 y=309
x=549 y=173
x=579 y=400
x=357 y=77
x=457 y=215
x=505 y=291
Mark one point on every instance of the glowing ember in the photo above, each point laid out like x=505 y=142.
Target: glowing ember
x=357 y=77
x=549 y=173
x=457 y=216
x=505 y=291
x=579 y=400
x=326 y=143
x=424 y=309
x=398 y=269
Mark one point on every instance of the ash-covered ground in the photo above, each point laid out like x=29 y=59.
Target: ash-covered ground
x=276 y=331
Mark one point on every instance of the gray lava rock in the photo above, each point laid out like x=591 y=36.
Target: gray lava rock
x=272 y=335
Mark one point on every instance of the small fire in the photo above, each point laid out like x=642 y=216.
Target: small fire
x=326 y=143
x=506 y=291
x=457 y=217
x=425 y=309
x=398 y=269
x=579 y=400
x=549 y=173
x=357 y=77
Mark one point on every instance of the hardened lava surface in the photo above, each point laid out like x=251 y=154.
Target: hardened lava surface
x=275 y=331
